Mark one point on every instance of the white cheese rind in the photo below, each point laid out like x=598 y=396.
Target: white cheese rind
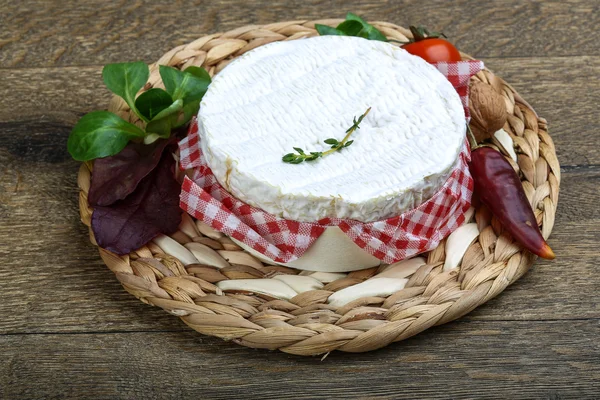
x=299 y=93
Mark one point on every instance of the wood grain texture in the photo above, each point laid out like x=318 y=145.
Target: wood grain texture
x=566 y=92
x=59 y=32
x=68 y=330
x=553 y=360
x=61 y=285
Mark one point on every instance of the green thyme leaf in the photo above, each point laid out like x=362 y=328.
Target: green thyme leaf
x=336 y=145
x=288 y=157
x=313 y=155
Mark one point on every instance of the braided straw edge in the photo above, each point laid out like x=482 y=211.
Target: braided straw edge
x=306 y=324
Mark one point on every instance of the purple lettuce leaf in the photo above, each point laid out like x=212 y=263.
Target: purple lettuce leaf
x=115 y=177
x=152 y=209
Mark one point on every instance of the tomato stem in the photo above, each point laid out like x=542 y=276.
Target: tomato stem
x=421 y=33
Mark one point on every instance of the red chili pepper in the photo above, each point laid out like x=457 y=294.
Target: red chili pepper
x=500 y=189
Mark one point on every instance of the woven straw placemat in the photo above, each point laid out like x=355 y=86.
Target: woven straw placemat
x=307 y=324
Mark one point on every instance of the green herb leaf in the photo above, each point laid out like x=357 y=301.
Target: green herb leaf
x=189 y=85
x=368 y=31
x=353 y=17
x=151 y=138
x=372 y=33
x=189 y=110
x=184 y=85
x=350 y=27
x=152 y=102
x=325 y=30
x=288 y=157
x=170 y=111
x=314 y=155
x=164 y=121
x=353 y=26
x=100 y=134
x=198 y=72
x=336 y=145
x=126 y=80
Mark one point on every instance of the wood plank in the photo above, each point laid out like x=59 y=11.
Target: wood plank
x=68 y=330
x=59 y=32
x=37 y=176
x=551 y=359
x=54 y=280
x=46 y=102
x=561 y=91
x=50 y=95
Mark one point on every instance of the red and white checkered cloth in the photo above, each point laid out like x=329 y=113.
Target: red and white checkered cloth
x=281 y=240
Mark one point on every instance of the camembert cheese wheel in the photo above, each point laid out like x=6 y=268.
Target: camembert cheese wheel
x=299 y=93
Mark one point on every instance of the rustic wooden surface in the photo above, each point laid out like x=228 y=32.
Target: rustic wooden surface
x=68 y=330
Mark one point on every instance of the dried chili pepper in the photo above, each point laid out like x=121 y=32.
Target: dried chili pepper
x=500 y=189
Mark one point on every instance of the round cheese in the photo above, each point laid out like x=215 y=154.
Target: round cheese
x=299 y=93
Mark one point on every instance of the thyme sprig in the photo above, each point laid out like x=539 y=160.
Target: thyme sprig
x=336 y=145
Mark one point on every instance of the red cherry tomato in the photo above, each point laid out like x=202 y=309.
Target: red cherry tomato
x=433 y=50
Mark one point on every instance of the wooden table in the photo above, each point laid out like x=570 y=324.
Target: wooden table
x=68 y=330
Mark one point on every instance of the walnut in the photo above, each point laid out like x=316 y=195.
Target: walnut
x=488 y=111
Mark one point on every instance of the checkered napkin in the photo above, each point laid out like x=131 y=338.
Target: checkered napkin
x=282 y=240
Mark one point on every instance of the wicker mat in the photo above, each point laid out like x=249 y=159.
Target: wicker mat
x=306 y=323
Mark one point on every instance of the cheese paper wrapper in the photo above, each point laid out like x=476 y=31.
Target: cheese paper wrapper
x=282 y=240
